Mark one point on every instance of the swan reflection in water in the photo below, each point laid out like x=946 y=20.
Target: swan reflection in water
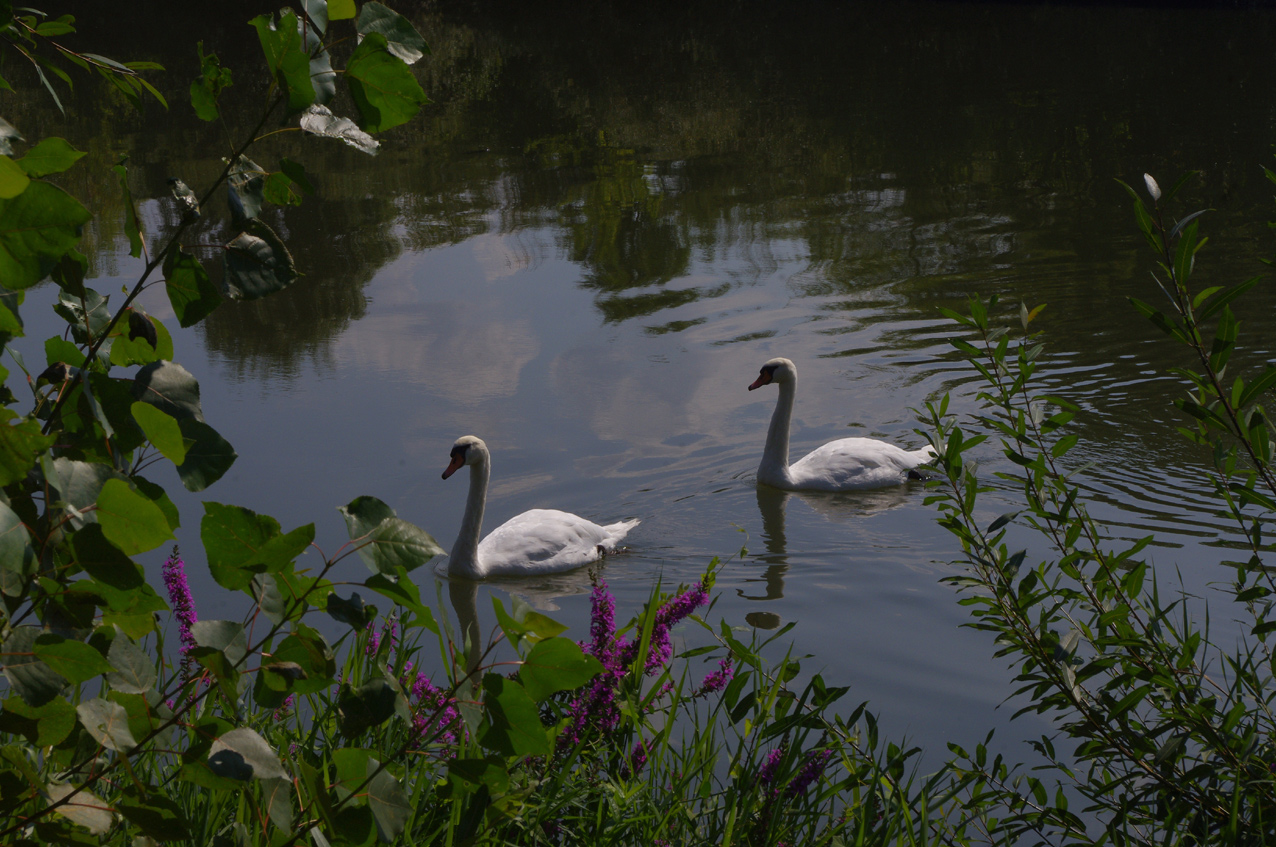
x=843 y=507
x=539 y=592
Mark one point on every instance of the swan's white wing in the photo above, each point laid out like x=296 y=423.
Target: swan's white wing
x=547 y=540
x=851 y=463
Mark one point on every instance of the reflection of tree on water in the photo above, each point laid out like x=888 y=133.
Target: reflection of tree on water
x=841 y=507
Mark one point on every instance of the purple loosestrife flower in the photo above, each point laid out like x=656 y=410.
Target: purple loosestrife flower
x=638 y=758
x=435 y=717
x=285 y=708
x=602 y=619
x=718 y=680
x=179 y=595
x=766 y=774
x=810 y=772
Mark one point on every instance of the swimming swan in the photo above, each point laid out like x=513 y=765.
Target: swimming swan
x=535 y=542
x=847 y=464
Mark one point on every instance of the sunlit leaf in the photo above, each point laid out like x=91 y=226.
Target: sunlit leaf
x=13 y=179
x=107 y=722
x=319 y=120
x=50 y=156
x=161 y=430
x=383 y=87
x=130 y=520
x=243 y=754
x=42 y=725
x=83 y=807
x=556 y=664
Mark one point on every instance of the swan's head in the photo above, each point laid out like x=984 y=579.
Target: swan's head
x=777 y=370
x=468 y=450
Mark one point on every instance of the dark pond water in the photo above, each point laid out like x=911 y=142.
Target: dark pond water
x=612 y=214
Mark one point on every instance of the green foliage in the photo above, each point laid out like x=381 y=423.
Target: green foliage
x=1170 y=729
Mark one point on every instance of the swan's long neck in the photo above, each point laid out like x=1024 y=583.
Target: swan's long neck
x=463 y=561
x=775 y=457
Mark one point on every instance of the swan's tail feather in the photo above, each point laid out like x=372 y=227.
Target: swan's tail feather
x=616 y=533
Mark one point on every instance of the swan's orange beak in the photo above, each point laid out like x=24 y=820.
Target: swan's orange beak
x=764 y=378
x=455 y=465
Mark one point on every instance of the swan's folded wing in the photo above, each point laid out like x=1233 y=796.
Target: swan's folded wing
x=542 y=541
x=851 y=463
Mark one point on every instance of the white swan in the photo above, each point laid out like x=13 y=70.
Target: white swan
x=843 y=465
x=535 y=542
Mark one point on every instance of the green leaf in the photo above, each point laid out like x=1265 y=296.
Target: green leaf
x=362 y=708
x=277 y=794
x=85 y=808
x=384 y=89
x=341 y=10
x=208 y=455
x=50 y=156
x=525 y=624
x=399 y=588
x=389 y=803
x=42 y=726
x=490 y=772
x=37 y=228
x=74 y=660
x=240 y=543
x=288 y=61
x=156 y=816
x=244 y=185
x=513 y=724
x=132 y=345
x=34 y=681
x=307 y=649
x=208 y=86
x=257 y=263
x=162 y=430
x=387 y=543
x=269 y=598
x=16 y=553
x=352 y=611
x=401 y=37
x=69 y=275
x=20 y=443
x=13 y=179
x=170 y=388
x=105 y=562
x=243 y=754
x=107 y=722
x=191 y=292
x=556 y=664
x=133 y=668
x=130 y=520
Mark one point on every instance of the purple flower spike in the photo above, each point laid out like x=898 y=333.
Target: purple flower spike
x=718 y=680
x=179 y=595
x=810 y=772
x=638 y=758
x=766 y=774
